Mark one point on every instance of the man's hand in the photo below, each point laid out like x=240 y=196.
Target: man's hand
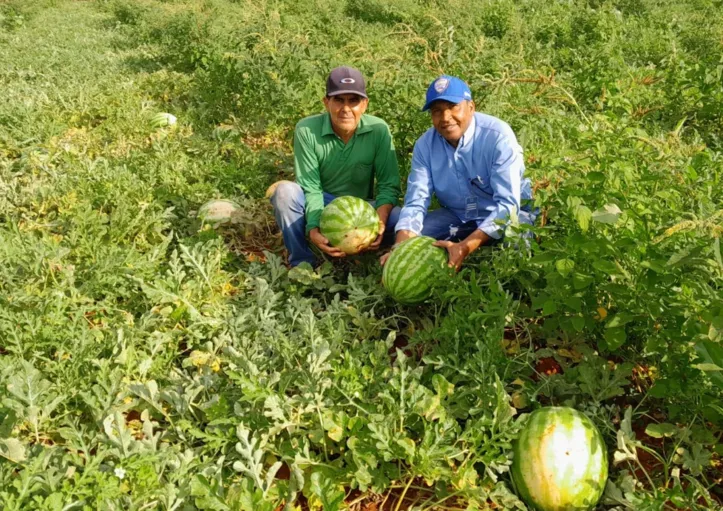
x=378 y=241
x=401 y=236
x=383 y=212
x=457 y=252
x=320 y=241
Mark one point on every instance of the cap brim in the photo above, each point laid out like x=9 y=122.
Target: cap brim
x=451 y=99
x=338 y=92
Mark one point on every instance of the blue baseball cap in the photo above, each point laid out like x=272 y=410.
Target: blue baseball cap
x=448 y=88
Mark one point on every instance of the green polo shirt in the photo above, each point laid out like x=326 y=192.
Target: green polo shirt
x=365 y=167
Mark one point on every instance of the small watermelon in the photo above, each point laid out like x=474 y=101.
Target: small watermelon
x=411 y=269
x=560 y=461
x=350 y=224
x=163 y=119
x=217 y=212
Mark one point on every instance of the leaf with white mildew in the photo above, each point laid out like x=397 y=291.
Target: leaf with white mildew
x=608 y=214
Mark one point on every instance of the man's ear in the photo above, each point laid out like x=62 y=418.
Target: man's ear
x=471 y=105
x=326 y=102
x=365 y=104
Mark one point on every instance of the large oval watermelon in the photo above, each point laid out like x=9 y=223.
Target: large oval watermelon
x=410 y=271
x=217 y=212
x=350 y=224
x=560 y=462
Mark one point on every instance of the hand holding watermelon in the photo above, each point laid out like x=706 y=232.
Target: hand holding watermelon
x=323 y=244
x=457 y=252
x=349 y=224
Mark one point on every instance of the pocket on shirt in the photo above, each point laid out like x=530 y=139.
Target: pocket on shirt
x=361 y=174
x=482 y=190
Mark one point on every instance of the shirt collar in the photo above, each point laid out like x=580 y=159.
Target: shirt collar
x=362 y=127
x=468 y=134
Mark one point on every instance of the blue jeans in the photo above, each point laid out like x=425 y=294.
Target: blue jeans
x=289 y=209
x=442 y=224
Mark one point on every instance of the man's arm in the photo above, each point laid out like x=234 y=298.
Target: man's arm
x=418 y=197
x=387 y=181
x=386 y=171
x=508 y=167
x=306 y=165
x=505 y=180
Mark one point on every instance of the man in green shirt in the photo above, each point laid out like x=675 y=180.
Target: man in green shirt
x=341 y=152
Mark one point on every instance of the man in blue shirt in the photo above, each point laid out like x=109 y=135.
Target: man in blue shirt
x=474 y=165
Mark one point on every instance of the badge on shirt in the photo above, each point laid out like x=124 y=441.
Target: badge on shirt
x=470 y=209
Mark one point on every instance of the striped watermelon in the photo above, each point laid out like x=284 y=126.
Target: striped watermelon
x=350 y=224
x=217 y=212
x=410 y=270
x=560 y=462
x=163 y=119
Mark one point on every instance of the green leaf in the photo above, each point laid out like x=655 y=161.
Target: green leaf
x=608 y=267
x=549 y=307
x=580 y=281
x=711 y=360
x=331 y=495
x=661 y=430
x=12 y=449
x=583 y=214
x=443 y=387
x=619 y=320
x=608 y=214
x=614 y=338
x=565 y=266
x=578 y=322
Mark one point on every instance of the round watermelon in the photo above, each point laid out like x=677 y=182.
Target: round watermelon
x=350 y=224
x=163 y=119
x=218 y=212
x=560 y=461
x=411 y=269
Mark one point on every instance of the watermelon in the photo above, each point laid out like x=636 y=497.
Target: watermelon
x=218 y=212
x=163 y=119
x=560 y=462
x=350 y=224
x=411 y=269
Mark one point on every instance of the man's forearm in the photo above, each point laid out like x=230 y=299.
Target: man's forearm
x=475 y=240
x=383 y=212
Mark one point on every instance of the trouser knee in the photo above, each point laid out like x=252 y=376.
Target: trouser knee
x=288 y=196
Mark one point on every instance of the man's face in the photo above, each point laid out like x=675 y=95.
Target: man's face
x=451 y=120
x=345 y=111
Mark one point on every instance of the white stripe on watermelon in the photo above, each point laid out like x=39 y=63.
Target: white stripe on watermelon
x=560 y=461
x=349 y=223
x=410 y=271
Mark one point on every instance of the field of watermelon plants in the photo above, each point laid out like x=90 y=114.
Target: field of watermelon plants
x=149 y=363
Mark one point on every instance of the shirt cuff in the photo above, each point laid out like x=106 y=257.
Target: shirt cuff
x=408 y=224
x=490 y=229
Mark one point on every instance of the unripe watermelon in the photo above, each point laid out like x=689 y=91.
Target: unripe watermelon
x=217 y=212
x=350 y=224
x=163 y=119
x=411 y=269
x=560 y=461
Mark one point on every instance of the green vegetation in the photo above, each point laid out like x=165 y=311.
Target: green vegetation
x=147 y=364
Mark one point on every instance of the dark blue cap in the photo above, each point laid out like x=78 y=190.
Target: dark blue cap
x=448 y=88
x=346 y=80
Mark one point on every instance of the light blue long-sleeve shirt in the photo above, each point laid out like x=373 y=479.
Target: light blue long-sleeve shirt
x=480 y=180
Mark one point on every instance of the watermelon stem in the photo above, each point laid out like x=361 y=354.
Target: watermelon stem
x=404 y=493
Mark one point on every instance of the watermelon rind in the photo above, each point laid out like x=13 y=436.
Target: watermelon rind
x=218 y=212
x=560 y=461
x=163 y=119
x=412 y=268
x=350 y=224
